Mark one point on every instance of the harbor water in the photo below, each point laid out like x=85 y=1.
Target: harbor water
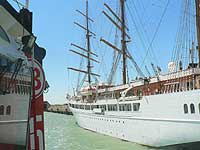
x=62 y=133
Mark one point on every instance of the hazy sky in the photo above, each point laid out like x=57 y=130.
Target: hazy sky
x=53 y=24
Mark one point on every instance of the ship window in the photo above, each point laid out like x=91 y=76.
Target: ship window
x=103 y=107
x=112 y=107
x=128 y=107
x=125 y=107
x=18 y=89
x=178 y=87
x=181 y=86
x=171 y=88
x=199 y=107
x=8 y=110
x=94 y=106
x=1 y=110
x=109 y=108
x=192 y=108
x=24 y=89
x=185 y=108
x=188 y=86
x=87 y=107
x=136 y=106
x=27 y=90
x=175 y=88
x=121 y=107
x=115 y=107
x=81 y=106
x=191 y=85
x=3 y=35
x=165 y=89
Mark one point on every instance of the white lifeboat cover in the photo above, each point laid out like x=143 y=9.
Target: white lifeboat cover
x=88 y=88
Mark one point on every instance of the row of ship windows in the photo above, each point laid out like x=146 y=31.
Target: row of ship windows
x=21 y=89
x=192 y=109
x=183 y=86
x=8 y=110
x=110 y=107
x=178 y=87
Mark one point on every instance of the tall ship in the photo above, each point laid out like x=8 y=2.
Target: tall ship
x=156 y=111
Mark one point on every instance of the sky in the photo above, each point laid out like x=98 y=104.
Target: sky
x=53 y=25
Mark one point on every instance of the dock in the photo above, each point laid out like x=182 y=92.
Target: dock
x=57 y=108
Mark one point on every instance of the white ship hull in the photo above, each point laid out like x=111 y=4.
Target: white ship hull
x=13 y=127
x=161 y=120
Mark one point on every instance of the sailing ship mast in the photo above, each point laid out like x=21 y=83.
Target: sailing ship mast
x=88 y=44
x=198 y=26
x=88 y=49
x=122 y=27
x=123 y=42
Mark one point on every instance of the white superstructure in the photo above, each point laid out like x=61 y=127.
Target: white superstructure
x=15 y=83
x=14 y=108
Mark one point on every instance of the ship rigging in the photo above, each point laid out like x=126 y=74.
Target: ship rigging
x=146 y=110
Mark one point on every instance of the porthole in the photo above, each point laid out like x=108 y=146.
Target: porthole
x=192 y=108
x=199 y=107
x=185 y=108
x=8 y=110
x=1 y=110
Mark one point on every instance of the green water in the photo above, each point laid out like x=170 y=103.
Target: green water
x=62 y=133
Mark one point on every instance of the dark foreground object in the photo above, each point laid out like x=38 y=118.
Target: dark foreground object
x=11 y=147
x=190 y=146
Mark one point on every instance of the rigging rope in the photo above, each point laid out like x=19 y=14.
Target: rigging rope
x=116 y=56
x=157 y=29
x=183 y=50
x=19 y=4
x=144 y=34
